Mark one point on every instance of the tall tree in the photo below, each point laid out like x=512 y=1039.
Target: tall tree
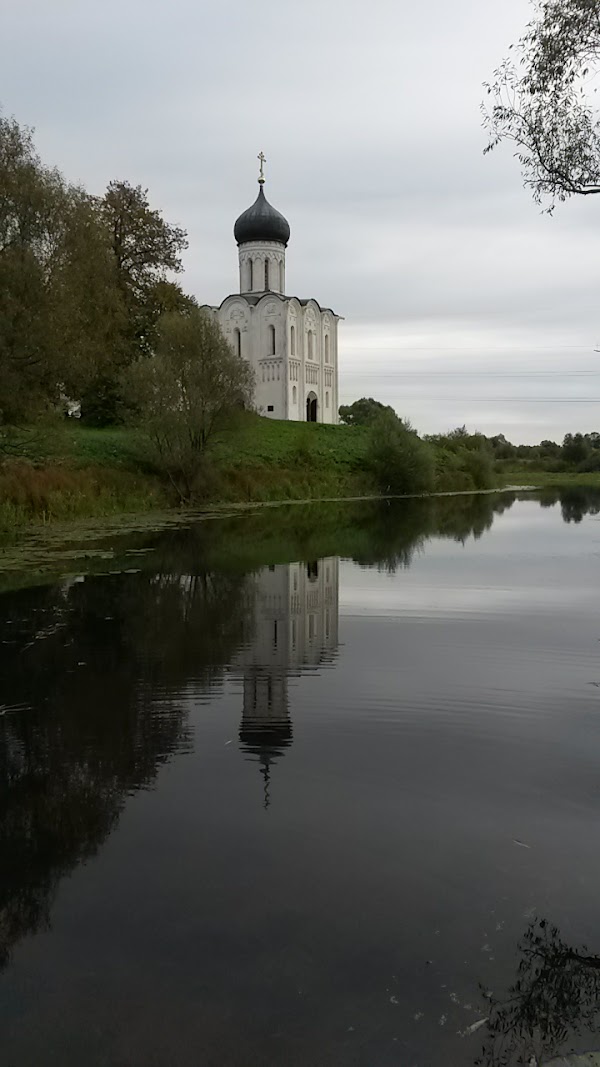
x=542 y=100
x=60 y=306
x=146 y=250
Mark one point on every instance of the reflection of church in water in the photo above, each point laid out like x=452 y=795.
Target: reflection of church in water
x=295 y=630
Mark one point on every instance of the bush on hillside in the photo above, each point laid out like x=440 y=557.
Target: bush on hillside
x=186 y=394
x=400 y=461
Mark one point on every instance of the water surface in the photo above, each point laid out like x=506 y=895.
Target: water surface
x=287 y=788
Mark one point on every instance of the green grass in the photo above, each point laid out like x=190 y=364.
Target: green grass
x=256 y=442
x=64 y=470
x=524 y=475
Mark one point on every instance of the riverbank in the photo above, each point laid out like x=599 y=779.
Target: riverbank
x=66 y=471
x=525 y=475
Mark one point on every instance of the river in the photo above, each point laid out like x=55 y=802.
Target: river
x=300 y=787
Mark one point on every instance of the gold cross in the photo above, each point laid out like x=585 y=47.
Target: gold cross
x=263 y=160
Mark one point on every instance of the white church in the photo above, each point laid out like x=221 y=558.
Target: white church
x=292 y=344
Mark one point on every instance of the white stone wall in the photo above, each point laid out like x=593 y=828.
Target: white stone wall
x=260 y=252
x=313 y=363
x=287 y=371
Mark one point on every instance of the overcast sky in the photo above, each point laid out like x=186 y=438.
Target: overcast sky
x=462 y=302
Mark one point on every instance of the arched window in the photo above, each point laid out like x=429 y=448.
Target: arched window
x=271 y=340
x=281 y=277
x=327 y=348
x=266 y=274
x=250 y=274
x=237 y=342
x=310 y=344
x=294 y=395
x=326 y=400
x=292 y=340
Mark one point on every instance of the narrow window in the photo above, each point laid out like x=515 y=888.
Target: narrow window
x=294 y=395
x=312 y=570
x=326 y=400
x=250 y=274
x=293 y=340
x=271 y=340
x=310 y=344
x=327 y=348
x=281 y=277
x=266 y=273
x=237 y=337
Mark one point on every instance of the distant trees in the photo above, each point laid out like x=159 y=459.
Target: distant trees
x=363 y=412
x=576 y=448
x=543 y=102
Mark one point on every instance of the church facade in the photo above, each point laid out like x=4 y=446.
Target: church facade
x=291 y=343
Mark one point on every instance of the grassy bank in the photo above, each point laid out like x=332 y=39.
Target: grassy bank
x=523 y=474
x=65 y=471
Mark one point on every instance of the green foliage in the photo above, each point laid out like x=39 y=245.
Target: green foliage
x=576 y=449
x=464 y=460
x=84 y=282
x=187 y=393
x=102 y=401
x=542 y=104
x=399 y=460
x=145 y=250
x=363 y=412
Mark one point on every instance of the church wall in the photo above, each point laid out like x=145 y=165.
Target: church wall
x=286 y=376
x=271 y=370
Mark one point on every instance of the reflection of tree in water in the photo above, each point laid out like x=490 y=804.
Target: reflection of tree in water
x=91 y=670
x=400 y=528
x=555 y=998
x=576 y=501
x=93 y=661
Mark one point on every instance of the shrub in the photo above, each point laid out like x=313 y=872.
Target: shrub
x=399 y=460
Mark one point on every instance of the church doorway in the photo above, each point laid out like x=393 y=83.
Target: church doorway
x=311 y=408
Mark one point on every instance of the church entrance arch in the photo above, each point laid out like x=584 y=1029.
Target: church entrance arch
x=311 y=408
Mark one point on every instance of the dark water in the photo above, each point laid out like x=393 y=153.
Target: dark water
x=286 y=788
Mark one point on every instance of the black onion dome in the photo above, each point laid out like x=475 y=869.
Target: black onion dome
x=261 y=222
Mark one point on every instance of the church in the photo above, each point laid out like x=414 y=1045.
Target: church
x=291 y=343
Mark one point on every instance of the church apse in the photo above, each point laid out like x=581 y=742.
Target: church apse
x=295 y=631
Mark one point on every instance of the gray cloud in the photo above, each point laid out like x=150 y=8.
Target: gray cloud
x=462 y=302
